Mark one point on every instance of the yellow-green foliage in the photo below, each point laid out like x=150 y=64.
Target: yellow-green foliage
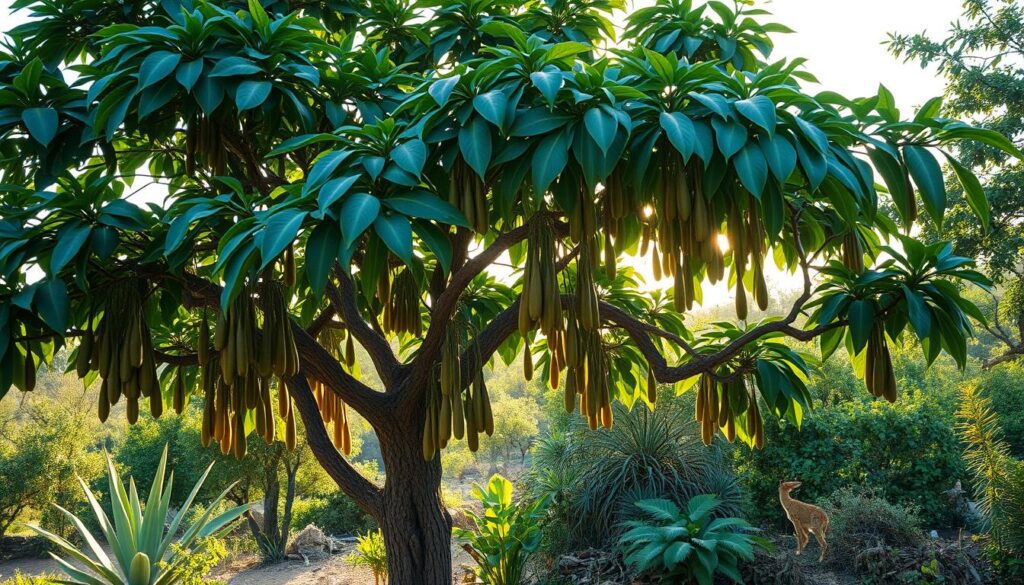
x=370 y=553
x=20 y=579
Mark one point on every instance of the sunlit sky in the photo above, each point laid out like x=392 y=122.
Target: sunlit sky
x=843 y=42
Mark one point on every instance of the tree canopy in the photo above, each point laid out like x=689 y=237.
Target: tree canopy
x=344 y=172
x=980 y=60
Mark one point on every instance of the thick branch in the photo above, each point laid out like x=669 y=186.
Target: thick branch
x=343 y=297
x=446 y=304
x=361 y=490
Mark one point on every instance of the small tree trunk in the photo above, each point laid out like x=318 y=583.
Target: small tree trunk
x=416 y=526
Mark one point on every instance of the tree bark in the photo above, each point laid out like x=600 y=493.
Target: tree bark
x=416 y=525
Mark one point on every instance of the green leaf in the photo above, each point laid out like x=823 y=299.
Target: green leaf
x=69 y=243
x=548 y=82
x=983 y=135
x=252 y=94
x=680 y=132
x=323 y=168
x=51 y=300
x=760 y=110
x=441 y=90
x=549 y=159
x=427 y=206
x=410 y=156
x=896 y=181
x=396 y=233
x=41 y=124
x=280 y=231
x=492 y=106
x=730 y=136
x=234 y=66
x=334 y=190
x=437 y=241
x=927 y=176
x=209 y=93
x=973 y=189
x=321 y=250
x=917 y=310
x=535 y=121
x=751 y=168
x=156 y=67
x=779 y=153
x=357 y=213
x=601 y=126
x=861 y=316
x=188 y=73
x=475 y=145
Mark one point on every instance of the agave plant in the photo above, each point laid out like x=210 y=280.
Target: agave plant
x=137 y=535
x=691 y=544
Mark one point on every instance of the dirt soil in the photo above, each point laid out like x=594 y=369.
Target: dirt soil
x=247 y=570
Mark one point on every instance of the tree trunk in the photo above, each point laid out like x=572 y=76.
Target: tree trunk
x=416 y=526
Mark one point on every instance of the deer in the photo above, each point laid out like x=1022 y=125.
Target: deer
x=806 y=518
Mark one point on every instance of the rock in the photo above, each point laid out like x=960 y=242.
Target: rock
x=311 y=542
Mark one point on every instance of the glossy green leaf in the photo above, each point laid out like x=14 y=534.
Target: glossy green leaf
x=410 y=156
x=549 y=159
x=279 y=233
x=927 y=175
x=156 y=67
x=51 y=300
x=41 y=123
x=475 y=145
x=680 y=132
x=973 y=190
x=357 y=213
x=427 y=206
x=760 y=110
x=321 y=251
x=396 y=233
x=252 y=94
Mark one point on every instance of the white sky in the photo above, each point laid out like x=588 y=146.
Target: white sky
x=842 y=41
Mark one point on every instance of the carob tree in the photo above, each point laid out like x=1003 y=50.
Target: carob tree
x=341 y=173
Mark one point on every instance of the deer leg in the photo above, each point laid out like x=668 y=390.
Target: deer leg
x=821 y=543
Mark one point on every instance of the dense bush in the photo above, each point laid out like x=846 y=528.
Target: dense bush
x=505 y=534
x=594 y=477
x=334 y=514
x=906 y=452
x=859 y=520
x=688 y=544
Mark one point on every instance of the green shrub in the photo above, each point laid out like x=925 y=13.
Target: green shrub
x=906 y=452
x=335 y=514
x=506 y=533
x=691 y=544
x=20 y=579
x=859 y=520
x=594 y=477
x=370 y=553
x=196 y=564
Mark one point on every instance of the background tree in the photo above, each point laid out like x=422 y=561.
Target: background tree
x=981 y=61
x=45 y=445
x=336 y=176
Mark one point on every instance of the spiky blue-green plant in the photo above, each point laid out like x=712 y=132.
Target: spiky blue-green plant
x=138 y=538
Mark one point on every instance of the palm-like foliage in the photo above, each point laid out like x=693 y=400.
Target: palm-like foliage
x=506 y=533
x=692 y=544
x=137 y=535
x=998 y=477
x=595 y=477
